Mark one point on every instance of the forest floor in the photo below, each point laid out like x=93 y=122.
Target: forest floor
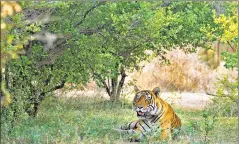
x=197 y=101
x=93 y=120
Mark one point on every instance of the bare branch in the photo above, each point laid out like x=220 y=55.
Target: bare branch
x=225 y=96
x=103 y=82
x=233 y=49
x=107 y=88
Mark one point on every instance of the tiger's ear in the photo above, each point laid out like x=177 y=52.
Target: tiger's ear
x=156 y=91
x=136 y=89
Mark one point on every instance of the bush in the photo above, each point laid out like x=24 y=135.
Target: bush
x=226 y=98
x=186 y=72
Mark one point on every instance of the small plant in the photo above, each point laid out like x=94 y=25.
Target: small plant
x=226 y=98
x=154 y=134
x=209 y=124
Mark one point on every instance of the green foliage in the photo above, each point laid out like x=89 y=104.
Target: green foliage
x=226 y=101
x=93 y=120
x=11 y=41
x=27 y=82
x=93 y=39
x=188 y=19
x=224 y=25
x=231 y=59
x=225 y=30
x=209 y=124
x=104 y=38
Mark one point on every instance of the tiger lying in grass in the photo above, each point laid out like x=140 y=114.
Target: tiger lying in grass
x=152 y=110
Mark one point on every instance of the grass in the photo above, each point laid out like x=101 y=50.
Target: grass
x=92 y=120
x=186 y=72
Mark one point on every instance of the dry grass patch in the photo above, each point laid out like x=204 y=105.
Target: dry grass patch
x=184 y=73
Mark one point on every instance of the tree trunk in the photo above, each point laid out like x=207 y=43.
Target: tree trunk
x=28 y=49
x=116 y=87
x=36 y=100
x=218 y=53
x=121 y=83
x=112 y=86
x=114 y=83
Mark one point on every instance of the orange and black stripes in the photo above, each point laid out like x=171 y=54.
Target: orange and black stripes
x=151 y=110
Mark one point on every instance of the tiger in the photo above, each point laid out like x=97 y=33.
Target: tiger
x=152 y=110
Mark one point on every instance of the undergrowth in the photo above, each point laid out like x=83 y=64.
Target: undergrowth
x=184 y=72
x=93 y=120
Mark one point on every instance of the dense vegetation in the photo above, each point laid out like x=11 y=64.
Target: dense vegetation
x=93 y=120
x=47 y=44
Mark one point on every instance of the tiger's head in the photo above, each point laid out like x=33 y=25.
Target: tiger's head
x=144 y=102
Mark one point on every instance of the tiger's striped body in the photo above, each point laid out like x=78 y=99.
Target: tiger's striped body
x=152 y=110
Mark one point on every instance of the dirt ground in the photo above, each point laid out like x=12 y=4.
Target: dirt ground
x=190 y=100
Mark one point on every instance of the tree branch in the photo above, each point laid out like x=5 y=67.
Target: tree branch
x=88 y=11
x=107 y=88
x=58 y=49
x=108 y=82
x=233 y=49
x=92 y=31
x=52 y=58
x=28 y=49
x=225 y=96
x=103 y=82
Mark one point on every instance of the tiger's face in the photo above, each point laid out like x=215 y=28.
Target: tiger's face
x=144 y=103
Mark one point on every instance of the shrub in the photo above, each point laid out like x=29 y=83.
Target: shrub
x=185 y=72
x=226 y=98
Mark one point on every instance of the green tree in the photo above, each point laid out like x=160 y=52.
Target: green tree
x=133 y=27
x=47 y=62
x=11 y=43
x=75 y=41
x=225 y=30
